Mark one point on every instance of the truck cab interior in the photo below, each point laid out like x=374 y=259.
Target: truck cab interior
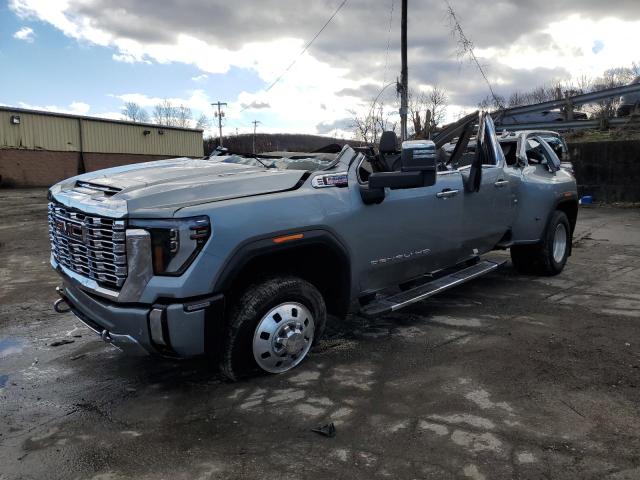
x=461 y=154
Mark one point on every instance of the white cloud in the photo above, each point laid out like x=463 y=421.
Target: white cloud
x=80 y=108
x=109 y=115
x=55 y=13
x=118 y=57
x=305 y=96
x=25 y=34
x=524 y=45
x=198 y=100
x=571 y=46
x=74 y=108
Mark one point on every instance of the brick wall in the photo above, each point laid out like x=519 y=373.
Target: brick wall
x=98 y=161
x=39 y=168
x=31 y=168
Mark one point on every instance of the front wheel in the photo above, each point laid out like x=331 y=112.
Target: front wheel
x=272 y=327
x=550 y=255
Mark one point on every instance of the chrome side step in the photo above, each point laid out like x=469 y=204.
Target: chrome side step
x=403 y=299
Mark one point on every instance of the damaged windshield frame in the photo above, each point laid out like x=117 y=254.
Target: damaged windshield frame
x=223 y=156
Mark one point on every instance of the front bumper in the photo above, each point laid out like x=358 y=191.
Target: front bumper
x=178 y=329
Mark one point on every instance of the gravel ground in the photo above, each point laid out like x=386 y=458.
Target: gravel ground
x=505 y=377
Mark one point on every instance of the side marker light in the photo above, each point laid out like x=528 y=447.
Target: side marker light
x=288 y=238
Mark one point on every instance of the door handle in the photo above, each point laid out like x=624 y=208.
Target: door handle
x=447 y=193
x=501 y=183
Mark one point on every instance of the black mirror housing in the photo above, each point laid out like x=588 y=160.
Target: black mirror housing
x=420 y=156
x=419 y=169
x=396 y=180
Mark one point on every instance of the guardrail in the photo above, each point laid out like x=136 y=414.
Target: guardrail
x=573 y=125
x=454 y=129
x=575 y=100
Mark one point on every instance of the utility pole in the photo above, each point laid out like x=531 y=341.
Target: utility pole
x=404 y=87
x=219 y=114
x=255 y=126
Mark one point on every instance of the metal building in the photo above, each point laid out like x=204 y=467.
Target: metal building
x=41 y=148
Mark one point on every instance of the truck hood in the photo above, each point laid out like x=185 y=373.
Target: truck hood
x=150 y=189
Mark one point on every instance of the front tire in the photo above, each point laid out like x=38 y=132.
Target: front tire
x=272 y=327
x=550 y=255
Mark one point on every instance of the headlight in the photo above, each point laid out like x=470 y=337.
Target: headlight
x=175 y=243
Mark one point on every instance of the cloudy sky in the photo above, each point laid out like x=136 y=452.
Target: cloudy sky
x=91 y=56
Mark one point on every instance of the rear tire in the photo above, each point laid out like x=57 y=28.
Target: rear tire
x=272 y=327
x=550 y=255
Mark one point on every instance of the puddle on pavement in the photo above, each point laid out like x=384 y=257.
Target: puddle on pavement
x=3 y=380
x=10 y=346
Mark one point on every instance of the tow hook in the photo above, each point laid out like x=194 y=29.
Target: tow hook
x=62 y=304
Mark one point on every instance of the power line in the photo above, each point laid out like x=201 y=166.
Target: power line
x=466 y=46
x=237 y=124
x=303 y=51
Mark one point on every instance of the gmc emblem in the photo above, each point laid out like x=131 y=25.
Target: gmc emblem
x=70 y=229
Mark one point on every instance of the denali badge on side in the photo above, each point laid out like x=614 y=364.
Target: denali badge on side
x=402 y=256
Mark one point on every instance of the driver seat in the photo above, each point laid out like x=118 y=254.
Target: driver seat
x=387 y=151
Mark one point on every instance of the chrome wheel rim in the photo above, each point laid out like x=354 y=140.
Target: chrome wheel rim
x=283 y=337
x=560 y=243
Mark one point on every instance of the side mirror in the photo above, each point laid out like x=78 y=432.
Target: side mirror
x=419 y=168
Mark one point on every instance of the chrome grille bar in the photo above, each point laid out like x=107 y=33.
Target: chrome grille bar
x=92 y=246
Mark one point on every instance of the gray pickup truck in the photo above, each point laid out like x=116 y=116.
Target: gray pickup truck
x=242 y=259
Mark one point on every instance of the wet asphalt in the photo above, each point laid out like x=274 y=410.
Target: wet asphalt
x=506 y=377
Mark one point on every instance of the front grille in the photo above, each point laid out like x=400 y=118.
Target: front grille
x=91 y=246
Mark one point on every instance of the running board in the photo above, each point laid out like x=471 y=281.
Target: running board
x=404 y=299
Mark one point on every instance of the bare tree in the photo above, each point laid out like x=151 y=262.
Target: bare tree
x=165 y=113
x=614 y=77
x=559 y=90
x=134 y=112
x=428 y=110
x=183 y=116
x=583 y=83
x=203 y=122
x=516 y=99
x=369 y=127
x=492 y=103
x=362 y=127
x=556 y=91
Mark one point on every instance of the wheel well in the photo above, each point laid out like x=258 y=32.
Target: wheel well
x=570 y=208
x=322 y=266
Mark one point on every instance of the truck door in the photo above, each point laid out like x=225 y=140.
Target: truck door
x=488 y=211
x=412 y=232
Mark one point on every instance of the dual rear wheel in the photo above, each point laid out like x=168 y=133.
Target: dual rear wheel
x=549 y=256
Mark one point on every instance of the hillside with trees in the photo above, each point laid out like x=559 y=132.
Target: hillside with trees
x=265 y=142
